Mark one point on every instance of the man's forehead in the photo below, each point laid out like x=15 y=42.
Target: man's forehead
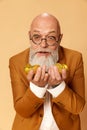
x=44 y=28
x=48 y=32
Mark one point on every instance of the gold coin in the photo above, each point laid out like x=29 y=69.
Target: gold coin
x=61 y=66
x=29 y=67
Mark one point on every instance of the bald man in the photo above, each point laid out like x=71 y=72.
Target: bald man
x=47 y=99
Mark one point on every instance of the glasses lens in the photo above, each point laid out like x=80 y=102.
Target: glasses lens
x=51 y=40
x=36 y=39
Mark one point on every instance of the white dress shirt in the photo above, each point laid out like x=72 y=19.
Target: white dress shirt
x=48 y=121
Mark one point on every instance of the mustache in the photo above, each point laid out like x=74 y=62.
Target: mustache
x=34 y=52
x=41 y=50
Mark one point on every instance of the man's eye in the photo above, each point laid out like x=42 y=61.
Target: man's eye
x=36 y=36
x=51 y=37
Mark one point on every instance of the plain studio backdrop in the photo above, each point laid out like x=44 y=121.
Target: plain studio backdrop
x=15 y=19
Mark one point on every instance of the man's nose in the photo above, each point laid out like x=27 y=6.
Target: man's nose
x=43 y=43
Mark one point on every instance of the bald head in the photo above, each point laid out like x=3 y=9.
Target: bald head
x=44 y=22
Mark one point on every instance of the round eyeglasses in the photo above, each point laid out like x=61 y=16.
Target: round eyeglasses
x=50 y=40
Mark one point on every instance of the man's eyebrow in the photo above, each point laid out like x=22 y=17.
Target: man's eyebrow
x=36 y=31
x=52 y=32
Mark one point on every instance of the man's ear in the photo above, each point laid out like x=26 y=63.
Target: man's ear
x=60 y=37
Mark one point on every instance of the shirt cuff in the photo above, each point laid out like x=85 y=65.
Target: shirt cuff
x=57 y=90
x=38 y=91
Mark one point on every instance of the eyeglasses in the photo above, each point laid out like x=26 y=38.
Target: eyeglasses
x=50 y=40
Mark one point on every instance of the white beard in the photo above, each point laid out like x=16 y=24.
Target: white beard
x=43 y=60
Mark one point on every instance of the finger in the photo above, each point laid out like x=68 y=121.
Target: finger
x=43 y=72
x=38 y=74
x=64 y=74
x=30 y=75
x=57 y=73
x=52 y=73
x=49 y=71
x=46 y=77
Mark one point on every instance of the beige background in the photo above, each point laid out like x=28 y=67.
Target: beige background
x=15 y=17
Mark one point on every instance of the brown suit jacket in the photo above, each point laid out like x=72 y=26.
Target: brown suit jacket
x=66 y=107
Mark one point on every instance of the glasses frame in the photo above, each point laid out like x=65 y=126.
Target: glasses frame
x=56 y=41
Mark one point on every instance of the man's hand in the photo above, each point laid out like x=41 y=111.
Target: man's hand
x=55 y=77
x=52 y=78
x=40 y=78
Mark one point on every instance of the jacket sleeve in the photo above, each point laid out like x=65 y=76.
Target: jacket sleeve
x=25 y=101
x=73 y=97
